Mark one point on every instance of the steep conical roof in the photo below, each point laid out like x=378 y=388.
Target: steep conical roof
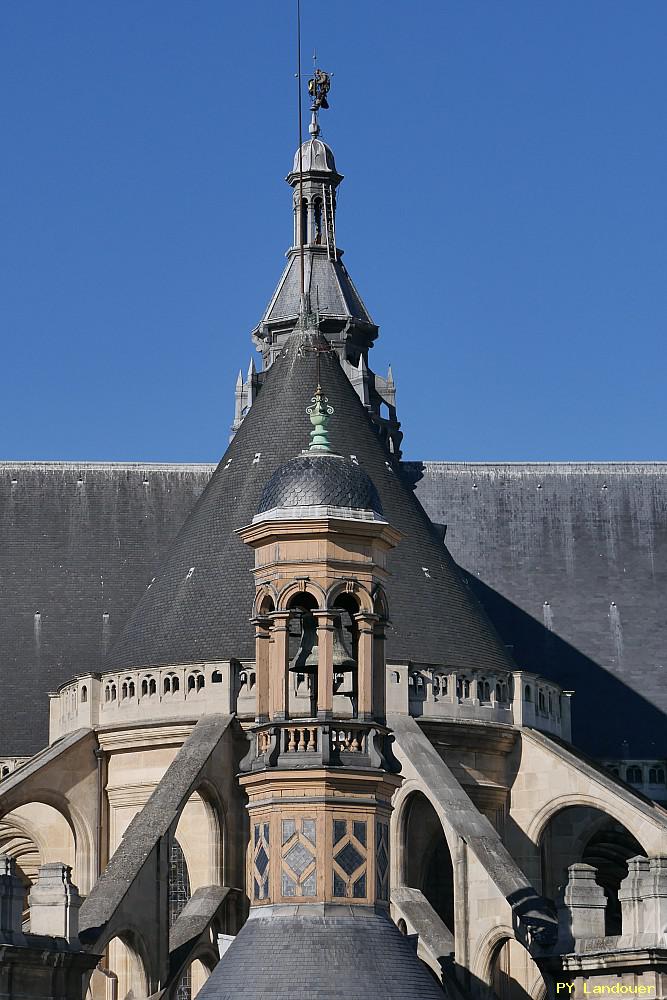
x=198 y=606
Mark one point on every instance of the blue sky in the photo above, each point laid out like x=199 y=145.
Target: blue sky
x=503 y=216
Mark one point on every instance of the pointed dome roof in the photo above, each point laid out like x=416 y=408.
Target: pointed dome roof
x=316 y=156
x=193 y=610
x=312 y=480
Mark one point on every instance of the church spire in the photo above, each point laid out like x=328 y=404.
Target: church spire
x=315 y=280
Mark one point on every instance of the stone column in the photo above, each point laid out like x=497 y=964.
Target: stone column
x=365 y=622
x=452 y=682
x=11 y=897
x=517 y=698
x=279 y=662
x=379 y=672
x=54 y=902
x=325 y=671
x=262 y=659
x=584 y=902
x=655 y=896
x=631 y=896
x=566 y=715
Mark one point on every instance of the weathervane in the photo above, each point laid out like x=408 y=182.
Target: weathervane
x=318 y=88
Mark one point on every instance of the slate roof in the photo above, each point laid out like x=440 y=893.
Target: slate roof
x=79 y=543
x=320 y=480
x=332 y=291
x=197 y=608
x=355 y=955
x=570 y=562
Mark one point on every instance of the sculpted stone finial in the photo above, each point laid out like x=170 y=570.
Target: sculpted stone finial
x=319 y=414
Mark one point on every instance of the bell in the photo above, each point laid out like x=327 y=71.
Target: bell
x=306 y=659
x=342 y=658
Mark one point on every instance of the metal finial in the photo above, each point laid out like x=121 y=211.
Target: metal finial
x=319 y=414
x=318 y=88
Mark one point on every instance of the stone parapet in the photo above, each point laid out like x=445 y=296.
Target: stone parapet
x=10 y=764
x=518 y=698
x=177 y=691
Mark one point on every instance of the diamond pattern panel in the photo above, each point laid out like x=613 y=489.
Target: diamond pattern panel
x=349 y=859
x=298 y=858
x=261 y=860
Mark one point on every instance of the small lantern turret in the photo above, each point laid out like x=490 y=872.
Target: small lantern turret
x=321 y=542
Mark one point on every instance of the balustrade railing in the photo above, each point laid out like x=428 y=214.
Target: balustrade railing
x=300 y=739
x=285 y=744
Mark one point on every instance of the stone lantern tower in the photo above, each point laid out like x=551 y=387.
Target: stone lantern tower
x=320 y=773
x=320 y=544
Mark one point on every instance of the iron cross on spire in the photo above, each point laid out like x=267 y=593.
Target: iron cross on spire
x=318 y=350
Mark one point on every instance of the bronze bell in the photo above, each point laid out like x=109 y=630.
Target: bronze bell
x=306 y=660
x=342 y=658
x=307 y=655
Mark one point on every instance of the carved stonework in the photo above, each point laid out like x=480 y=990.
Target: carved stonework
x=261 y=858
x=349 y=875
x=298 y=857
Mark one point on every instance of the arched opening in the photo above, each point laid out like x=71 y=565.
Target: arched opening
x=513 y=973
x=179 y=882
x=18 y=843
x=304 y=221
x=317 y=221
x=427 y=863
x=346 y=649
x=192 y=980
x=303 y=655
x=198 y=837
x=190 y=867
x=266 y=606
x=36 y=834
x=586 y=834
x=84 y=694
x=127 y=962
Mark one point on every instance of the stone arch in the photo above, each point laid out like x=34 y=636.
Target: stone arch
x=296 y=587
x=196 y=974
x=129 y=962
x=482 y=963
x=200 y=829
x=399 y=800
x=507 y=969
x=613 y=807
x=59 y=833
x=264 y=597
x=354 y=589
x=18 y=843
x=582 y=833
x=423 y=855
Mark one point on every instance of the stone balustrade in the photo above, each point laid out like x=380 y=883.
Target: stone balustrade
x=9 y=764
x=141 y=695
x=514 y=698
x=290 y=744
x=646 y=775
x=189 y=691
